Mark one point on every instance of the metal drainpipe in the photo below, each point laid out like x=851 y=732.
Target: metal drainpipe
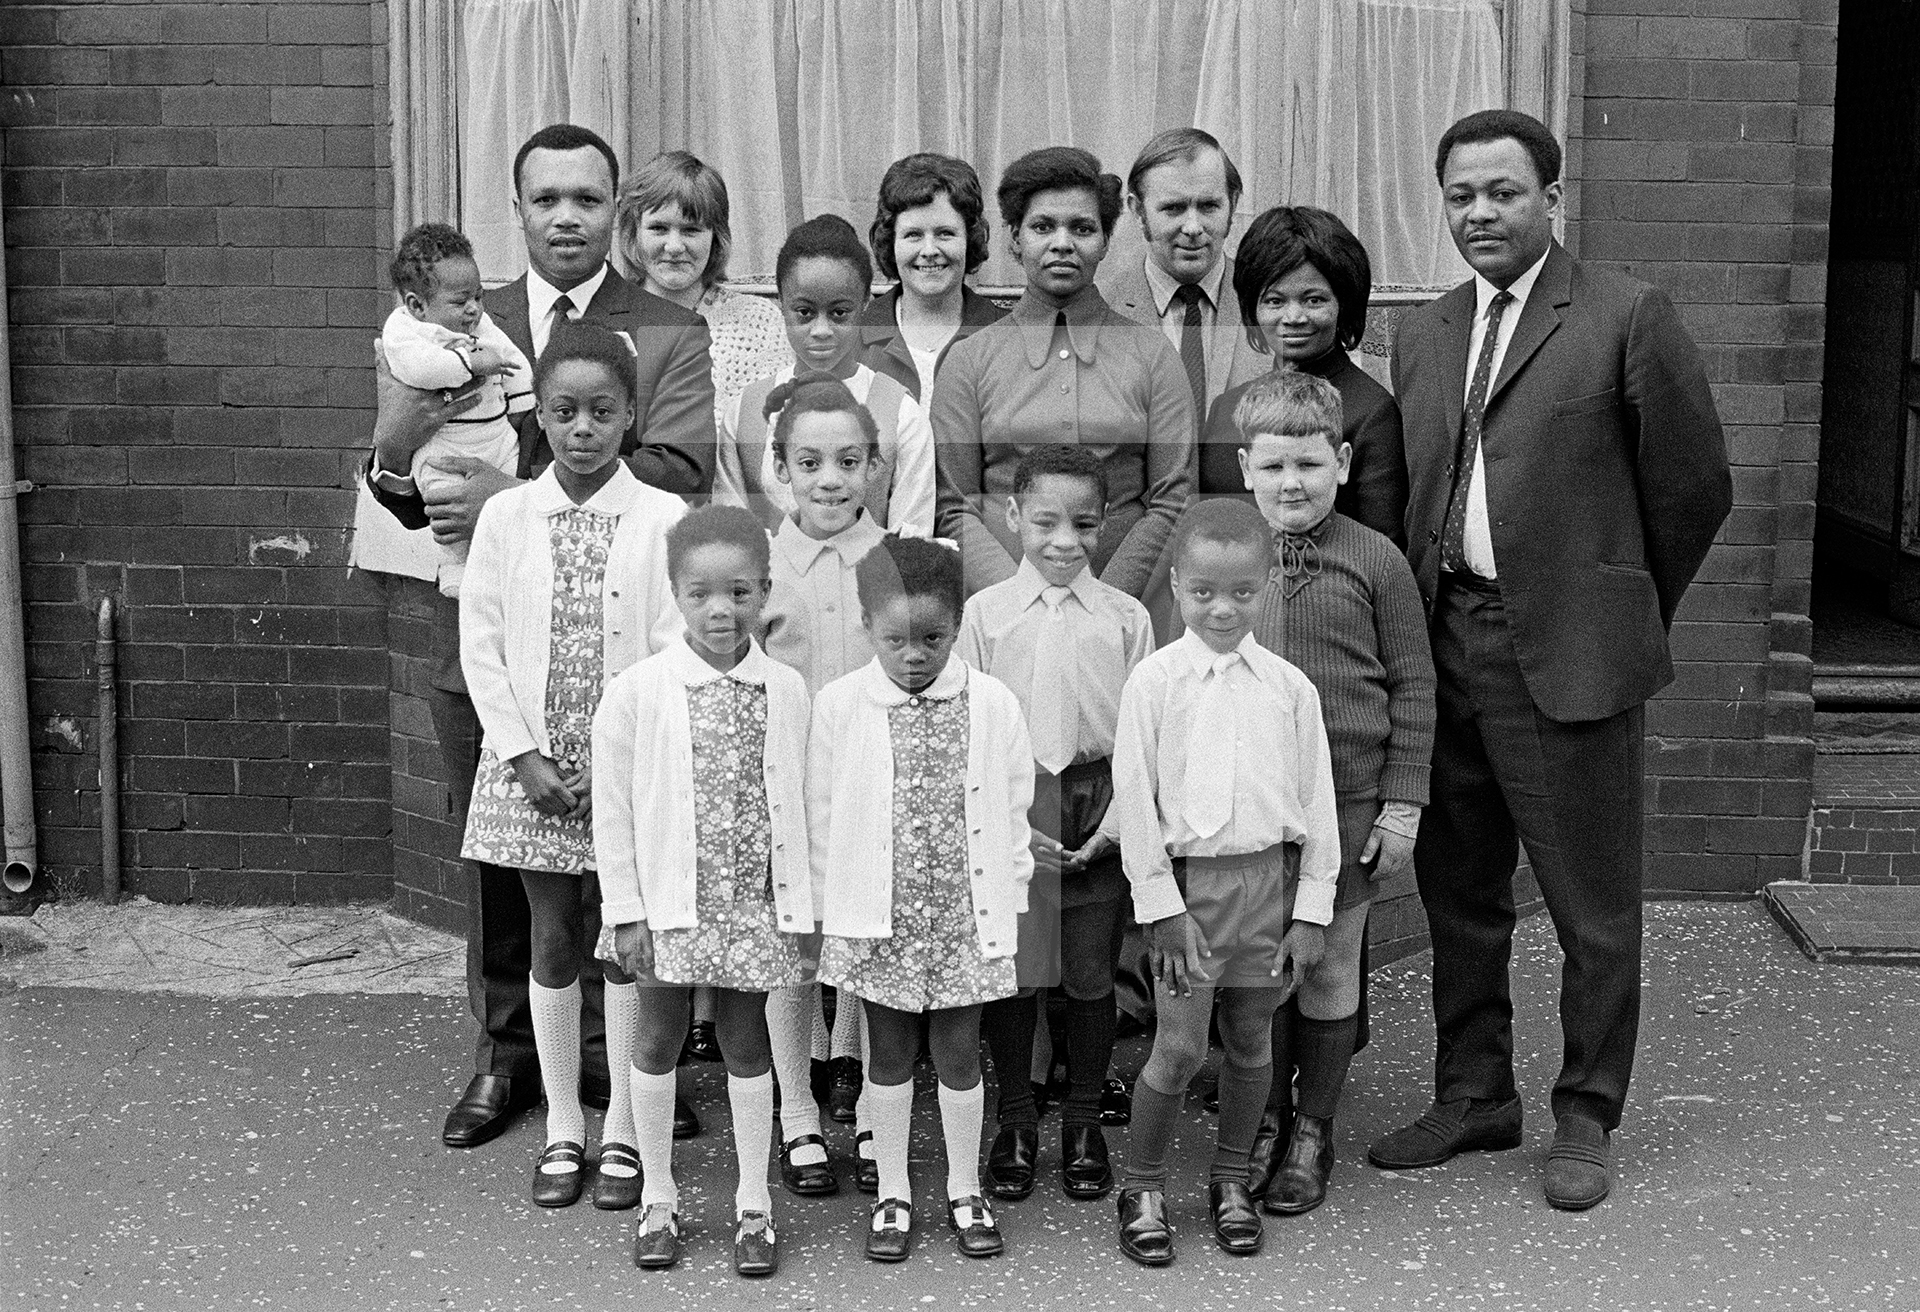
x=107 y=731
x=16 y=763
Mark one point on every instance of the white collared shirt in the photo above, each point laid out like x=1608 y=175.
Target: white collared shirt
x=1173 y=315
x=812 y=617
x=1478 y=541
x=1282 y=775
x=541 y=295
x=645 y=832
x=1109 y=632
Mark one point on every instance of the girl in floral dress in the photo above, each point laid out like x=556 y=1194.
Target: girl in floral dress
x=919 y=775
x=566 y=584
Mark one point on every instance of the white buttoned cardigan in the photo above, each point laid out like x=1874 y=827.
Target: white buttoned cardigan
x=506 y=599
x=645 y=836
x=850 y=803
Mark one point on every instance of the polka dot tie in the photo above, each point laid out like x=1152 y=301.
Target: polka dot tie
x=1453 y=542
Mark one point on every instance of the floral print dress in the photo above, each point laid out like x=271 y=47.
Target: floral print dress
x=736 y=942
x=503 y=828
x=933 y=959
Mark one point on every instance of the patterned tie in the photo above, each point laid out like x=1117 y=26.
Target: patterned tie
x=1206 y=799
x=1053 y=706
x=1193 y=346
x=1453 y=541
x=562 y=313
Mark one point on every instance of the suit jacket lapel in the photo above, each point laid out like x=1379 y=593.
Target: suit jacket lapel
x=1539 y=317
x=612 y=304
x=1222 y=340
x=507 y=307
x=1456 y=313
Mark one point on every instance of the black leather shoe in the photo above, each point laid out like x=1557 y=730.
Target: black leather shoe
x=808 y=1179
x=1084 y=1170
x=1210 y=1100
x=703 y=1042
x=974 y=1228
x=685 y=1124
x=843 y=1099
x=487 y=1108
x=756 y=1246
x=1446 y=1128
x=1145 y=1235
x=1236 y=1222
x=656 y=1240
x=866 y=1171
x=890 y=1231
x=560 y=1188
x=1010 y=1161
x=1301 y=1184
x=1269 y=1146
x=596 y=1090
x=620 y=1190
x=1116 y=1102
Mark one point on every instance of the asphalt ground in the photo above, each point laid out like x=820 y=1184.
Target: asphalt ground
x=168 y=1150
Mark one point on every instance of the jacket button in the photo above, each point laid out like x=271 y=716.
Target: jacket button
x=1432 y=536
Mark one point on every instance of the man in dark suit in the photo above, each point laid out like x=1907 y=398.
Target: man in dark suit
x=565 y=178
x=1183 y=189
x=1568 y=476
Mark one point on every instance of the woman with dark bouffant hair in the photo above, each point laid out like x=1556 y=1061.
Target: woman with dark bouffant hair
x=1063 y=366
x=1303 y=280
x=929 y=234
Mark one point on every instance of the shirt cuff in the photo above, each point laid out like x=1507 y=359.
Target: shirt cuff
x=1313 y=901
x=386 y=480
x=1157 y=898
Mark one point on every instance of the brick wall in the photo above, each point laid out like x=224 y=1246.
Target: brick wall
x=193 y=221
x=1704 y=154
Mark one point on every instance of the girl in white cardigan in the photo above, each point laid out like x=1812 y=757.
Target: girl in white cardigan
x=566 y=584
x=919 y=775
x=700 y=824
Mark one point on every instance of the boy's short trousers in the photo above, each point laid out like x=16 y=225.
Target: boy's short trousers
x=1067 y=807
x=1242 y=905
x=1358 y=883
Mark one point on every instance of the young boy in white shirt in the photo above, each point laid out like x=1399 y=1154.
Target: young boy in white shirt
x=1223 y=789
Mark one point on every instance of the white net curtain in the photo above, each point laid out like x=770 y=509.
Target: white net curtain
x=802 y=104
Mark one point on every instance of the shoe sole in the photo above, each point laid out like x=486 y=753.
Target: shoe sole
x=1497 y=1145
x=1579 y=1204
x=1086 y=1193
x=617 y=1204
x=825 y=1191
x=1145 y=1260
x=655 y=1263
x=1289 y=1209
x=1231 y=1251
x=888 y=1257
x=1011 y=1194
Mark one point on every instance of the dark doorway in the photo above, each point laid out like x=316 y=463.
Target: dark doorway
x=1866 y=584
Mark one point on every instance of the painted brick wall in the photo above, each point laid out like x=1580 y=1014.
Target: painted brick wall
x=1704 y=152
x=193 y=222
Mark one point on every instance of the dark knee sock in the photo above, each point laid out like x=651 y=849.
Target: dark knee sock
x=1280 y=1091
x=1090 y=1028
x=1007 y=1026
x=1150 y=1135
x=1324 y=1049
x=1243 y=1096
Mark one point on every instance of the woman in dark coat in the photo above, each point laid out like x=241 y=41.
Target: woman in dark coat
x=1303 y=281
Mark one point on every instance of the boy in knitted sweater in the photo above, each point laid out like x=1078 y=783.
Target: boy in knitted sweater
x=1344 y=608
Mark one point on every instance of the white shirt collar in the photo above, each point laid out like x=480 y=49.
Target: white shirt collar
x=950 y=684
x=692 y=670
x=615 y=497
x=541 y=294
x=1484 y=291
x=1032 y=583
x=1200 y=657
x=1163 y=285
x=802 y=553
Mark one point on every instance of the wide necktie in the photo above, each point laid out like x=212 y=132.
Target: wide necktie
x=1053 y=703
x=1453 y=540
x=1207 y=795
x=1193 y=346
x=562 y=313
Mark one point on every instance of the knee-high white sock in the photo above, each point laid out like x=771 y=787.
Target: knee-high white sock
x=889 y=1109
x=961 y=1112
x=556 y=1038
x=653 y=1128
x=849 y=1027
x=622 y=1009
x=822 y=1044
x=790 y=1014
x=752 y=1103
